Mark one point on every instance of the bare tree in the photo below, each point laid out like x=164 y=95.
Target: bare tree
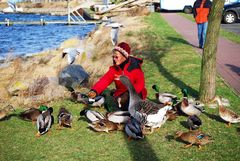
x=208 y=68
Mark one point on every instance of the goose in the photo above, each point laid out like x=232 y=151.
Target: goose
x=226 y=114
x=44 y=122
x=133 y=129
x=120 y=117
x=65 y=118
x=145 y=111
x=92 y=115
x=164 y=97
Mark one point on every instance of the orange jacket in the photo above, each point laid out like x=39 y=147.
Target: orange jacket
x=201 y=9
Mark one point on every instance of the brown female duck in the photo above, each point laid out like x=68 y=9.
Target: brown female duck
x=30 y=114
x=105 y=125
x=226 y=114
x=193 y=137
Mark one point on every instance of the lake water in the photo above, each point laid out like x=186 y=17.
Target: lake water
x=20 y=40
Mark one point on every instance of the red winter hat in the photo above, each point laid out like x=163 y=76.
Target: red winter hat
x=123 y=48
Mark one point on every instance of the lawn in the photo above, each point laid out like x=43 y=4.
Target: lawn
x=171 y=63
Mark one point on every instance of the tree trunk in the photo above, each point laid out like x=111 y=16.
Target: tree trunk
x=208 y=67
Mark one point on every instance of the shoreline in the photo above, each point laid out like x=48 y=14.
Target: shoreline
x=22 y=74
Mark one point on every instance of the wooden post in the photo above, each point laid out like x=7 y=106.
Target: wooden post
x=68 y=7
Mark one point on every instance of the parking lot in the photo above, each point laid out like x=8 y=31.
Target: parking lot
x=232 y=27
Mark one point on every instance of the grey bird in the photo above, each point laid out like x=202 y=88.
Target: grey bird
x=92 y=115
x=133 y=129
x=114 y=31
x=72 y=53
x=44 y=122
x=145 y=111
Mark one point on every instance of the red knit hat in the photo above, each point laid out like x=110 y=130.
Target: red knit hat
x=123 y=48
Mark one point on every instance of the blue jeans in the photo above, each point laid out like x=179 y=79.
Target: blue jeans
x=202 y=31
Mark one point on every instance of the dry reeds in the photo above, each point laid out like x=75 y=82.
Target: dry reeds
x=37 y=87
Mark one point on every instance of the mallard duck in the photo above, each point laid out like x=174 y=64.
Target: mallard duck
x=79 y=97
x=4 y=112
x=133 y=129
x=65 y=118
x=194 y=122
x=97 y=101
x=226 y=114
x=193 y=137
x=119 y=117
x=185 y=94
x=44 y=122
x=164 y=97
x=92 y=115
x=192 y=100
x=145 y=111
x=83 y=98
x=190 y=109
x=105 y=125
x=30 y=114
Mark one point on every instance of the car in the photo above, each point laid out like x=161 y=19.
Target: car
x=231 y=13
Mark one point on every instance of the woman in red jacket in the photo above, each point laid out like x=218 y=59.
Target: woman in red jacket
x=123 y=64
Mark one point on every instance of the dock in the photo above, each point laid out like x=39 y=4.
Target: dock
x=10 y=23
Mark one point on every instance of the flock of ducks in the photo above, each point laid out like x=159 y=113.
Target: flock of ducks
x=143 y=116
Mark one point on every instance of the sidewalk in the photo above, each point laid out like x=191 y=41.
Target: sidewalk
x=228 y=53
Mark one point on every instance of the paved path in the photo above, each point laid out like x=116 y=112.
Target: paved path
x=228 y=53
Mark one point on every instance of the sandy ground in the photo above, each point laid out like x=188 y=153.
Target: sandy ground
x=20 y=77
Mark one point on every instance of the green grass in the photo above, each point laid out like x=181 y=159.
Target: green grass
x=170 y=62
x=224 y=33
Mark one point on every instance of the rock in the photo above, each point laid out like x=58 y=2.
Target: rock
x=73 y=76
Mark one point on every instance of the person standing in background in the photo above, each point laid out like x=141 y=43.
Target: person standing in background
x=201 y=10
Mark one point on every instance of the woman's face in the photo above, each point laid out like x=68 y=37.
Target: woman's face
x=118 y=58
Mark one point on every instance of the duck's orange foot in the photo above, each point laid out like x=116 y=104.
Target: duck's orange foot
x=187 y=146
x=228 y=124
x=49 y=132
x=38 y=135
x=199 y=147
x=129 y=138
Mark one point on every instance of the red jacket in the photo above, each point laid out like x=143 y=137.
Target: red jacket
x=132 y=70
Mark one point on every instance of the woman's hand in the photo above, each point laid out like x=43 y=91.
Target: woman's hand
x=92 y=94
